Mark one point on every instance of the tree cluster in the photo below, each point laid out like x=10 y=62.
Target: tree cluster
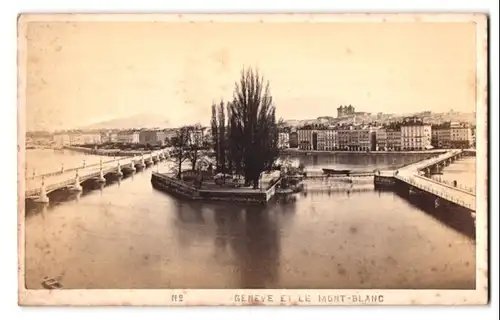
x=189 y=143
x=245 y=131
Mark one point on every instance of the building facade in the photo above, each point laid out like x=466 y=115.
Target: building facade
x=381 y=139
x=393 y=138
x=305 y=139
x=109 y=137
x=366 y=139
x=415 y=135
x=128 y=136
x=77 y=138
x=153 y=137
x=343 y=137
x=441 y=136
x=331 y=140
x=460 y=135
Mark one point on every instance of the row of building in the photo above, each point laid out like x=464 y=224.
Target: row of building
x=153 y=137
x=409 y=134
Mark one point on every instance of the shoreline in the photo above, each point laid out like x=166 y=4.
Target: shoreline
x=326 y=152
x=110 y=152
x=118 y=152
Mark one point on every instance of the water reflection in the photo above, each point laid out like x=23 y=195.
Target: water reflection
x=367 y=161
x=128 y=235
x=258 y=250
x=453 y=216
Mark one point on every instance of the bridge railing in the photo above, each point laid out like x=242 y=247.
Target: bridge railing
x=85 y=176
x=433 y=161
x=445 y=195
x=458 y=185
x=133 y=158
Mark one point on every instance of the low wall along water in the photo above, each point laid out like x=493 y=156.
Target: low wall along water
x=174 y=186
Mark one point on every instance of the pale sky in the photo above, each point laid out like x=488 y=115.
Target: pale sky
x=85 y=72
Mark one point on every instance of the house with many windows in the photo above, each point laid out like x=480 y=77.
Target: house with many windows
x=415 y=134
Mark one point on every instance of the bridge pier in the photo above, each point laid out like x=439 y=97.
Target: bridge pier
x=149 y=160
x=119 y=170
x=42 y=198
x=132 y=165
x=101 y=178
x=427 y=172
x=77 y=186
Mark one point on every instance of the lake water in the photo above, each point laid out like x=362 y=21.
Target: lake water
x=129 y=235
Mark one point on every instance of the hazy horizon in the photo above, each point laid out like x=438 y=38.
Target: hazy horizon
x=80 y=73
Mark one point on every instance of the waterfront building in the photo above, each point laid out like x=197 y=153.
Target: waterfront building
x=283 y=140
x=77 y=138
x=331 y=140
x=153 y=137
x=343 y=136
x=317 y=137
x=128 y=136
x=460 y=135
x=381 y=139
x=90 y=138
x=109 y=136
x=366 y=139
x=415 y=134
x=353 y=142
x=441 y=135
x=305 y=139
x=321 y=140
x=327 y=140
x=393 y=133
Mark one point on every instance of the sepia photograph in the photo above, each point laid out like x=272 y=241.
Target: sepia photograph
x=244 y=159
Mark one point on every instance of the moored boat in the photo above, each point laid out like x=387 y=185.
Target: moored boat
x=333 y=171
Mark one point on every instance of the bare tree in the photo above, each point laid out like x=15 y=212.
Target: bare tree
x=197 y=146
x=180 y=148
x=215 y=135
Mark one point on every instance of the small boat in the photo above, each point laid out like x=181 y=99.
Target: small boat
x=284 y=191
x=333 y=171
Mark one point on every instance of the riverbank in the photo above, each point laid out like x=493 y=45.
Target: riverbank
x=324 y=152
x=109 y=152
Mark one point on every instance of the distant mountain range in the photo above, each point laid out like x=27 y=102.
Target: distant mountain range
x=135 y=121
